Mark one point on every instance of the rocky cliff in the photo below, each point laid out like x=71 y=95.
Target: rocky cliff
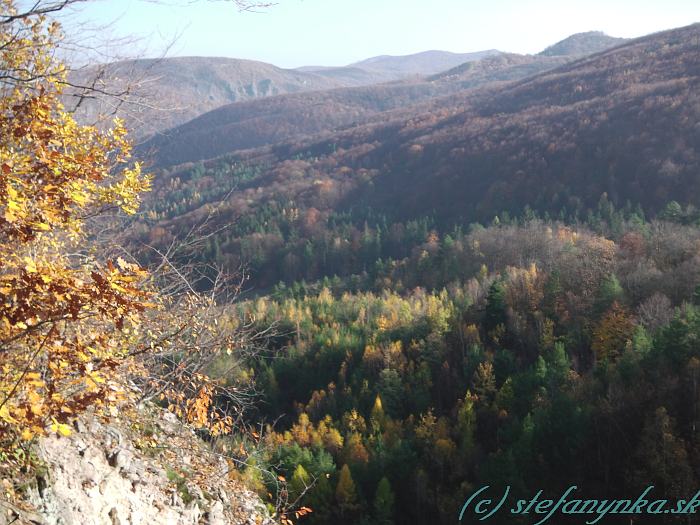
x=117 y=472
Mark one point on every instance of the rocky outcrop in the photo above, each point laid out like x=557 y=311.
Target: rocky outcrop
x=107 y=473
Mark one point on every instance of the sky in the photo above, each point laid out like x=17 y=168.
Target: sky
x=294 y=33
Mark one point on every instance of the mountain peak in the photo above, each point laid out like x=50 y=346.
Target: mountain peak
x=583 y=44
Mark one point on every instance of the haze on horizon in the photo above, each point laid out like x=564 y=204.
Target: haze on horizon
x=295 y=33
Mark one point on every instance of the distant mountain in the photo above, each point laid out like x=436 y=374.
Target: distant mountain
x=503 y=67
x=583 y=44
x=622 y=123
x=386 y=68
x=352 y=75
x=425 y=63
x=257 y=123
x=170 y=91
x=163 y=93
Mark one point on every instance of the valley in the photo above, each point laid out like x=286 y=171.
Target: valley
x=364 y=292
x=476 y=277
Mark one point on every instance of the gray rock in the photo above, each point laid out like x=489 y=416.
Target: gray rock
x=97 y=477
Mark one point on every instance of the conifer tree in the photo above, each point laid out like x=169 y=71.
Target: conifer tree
x=346 y=494
x=383 y=503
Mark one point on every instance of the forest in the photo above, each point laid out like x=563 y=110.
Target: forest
x=498 y=356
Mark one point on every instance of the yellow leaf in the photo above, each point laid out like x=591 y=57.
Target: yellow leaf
x=60 y=428
x=30 y=265
x=9 y=216
x=5 y=415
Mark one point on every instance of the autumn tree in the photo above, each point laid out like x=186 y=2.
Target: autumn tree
x=81 y=324
x=377 y=416
x=466 y=425
x=300 y=481
x=67 y=316
x=613 y=333
x=346 y=493
x=484 y=382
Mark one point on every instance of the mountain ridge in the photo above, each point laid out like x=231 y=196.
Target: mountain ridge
x=424 y=62
x=159 y=93
x=155 y=94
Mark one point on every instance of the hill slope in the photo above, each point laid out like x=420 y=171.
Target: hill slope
x=351 y=75
x=622 y=122
x=257 y=123
x=157 y=94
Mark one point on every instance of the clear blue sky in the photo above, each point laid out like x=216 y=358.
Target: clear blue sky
x=337 y=32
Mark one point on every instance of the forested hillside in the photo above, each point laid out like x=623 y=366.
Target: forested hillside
x=619 y=125
x=622 y=122
x=495 y=287
x=289 y=117
x=525 y=349
x=257 y=123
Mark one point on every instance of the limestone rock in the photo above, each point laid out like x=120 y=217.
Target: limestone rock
x=97 y=476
